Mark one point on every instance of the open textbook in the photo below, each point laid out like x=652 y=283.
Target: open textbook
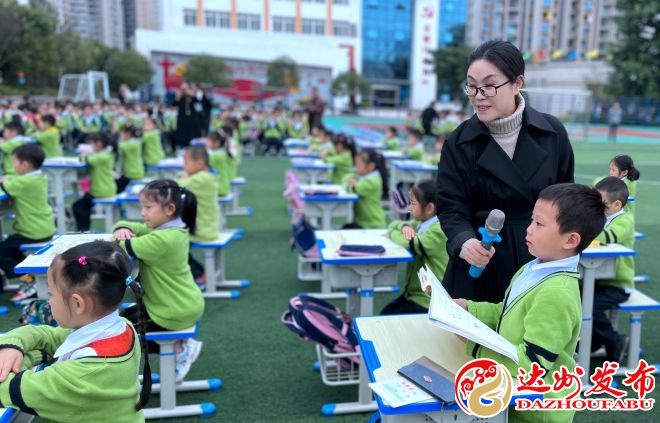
x=446 y=314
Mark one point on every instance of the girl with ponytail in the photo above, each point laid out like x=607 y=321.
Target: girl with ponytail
x=622 y=167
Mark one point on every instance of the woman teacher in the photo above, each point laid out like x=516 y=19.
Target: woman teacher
x=500 y=158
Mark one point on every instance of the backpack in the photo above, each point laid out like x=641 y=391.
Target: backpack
x=303 y=238
x=400 y=203
x=316 y=320
x=37 y=312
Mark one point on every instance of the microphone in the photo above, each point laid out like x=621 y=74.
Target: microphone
x=489 y=235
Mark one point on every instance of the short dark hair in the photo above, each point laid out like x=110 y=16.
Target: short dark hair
x=15 y=126
x=503 y=55
x=614 y=188
x=415 y=133
x=31 y=153
x=198 y=152
x=580 y=209
x=425 y=192
x=49 y=119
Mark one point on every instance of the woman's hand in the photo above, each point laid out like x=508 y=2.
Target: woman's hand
x=475 y=254
x=10 y=361
x=123 y=234
x=408 y=232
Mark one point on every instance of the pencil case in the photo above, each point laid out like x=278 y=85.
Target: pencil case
x=355 y=250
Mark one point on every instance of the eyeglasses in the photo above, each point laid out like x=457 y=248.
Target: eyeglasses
x=486 y=90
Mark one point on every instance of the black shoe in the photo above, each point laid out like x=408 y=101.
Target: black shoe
x=620 y=350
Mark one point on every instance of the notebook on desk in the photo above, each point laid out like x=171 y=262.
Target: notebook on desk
x=431 y=377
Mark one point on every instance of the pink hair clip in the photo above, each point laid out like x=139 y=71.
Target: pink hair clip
x=83 y=260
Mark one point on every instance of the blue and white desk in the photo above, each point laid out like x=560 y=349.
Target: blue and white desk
x=302 y=153
x=391 y=342
x=296 y=143
x=37 y=264
x=325 y=207
x=410 y=172
x=214 y=265
x=236 y=190
x=311 y=171
x=363 y=273
x=61 y=170
x=595 y=263
x=167 y=168
x=391 y=155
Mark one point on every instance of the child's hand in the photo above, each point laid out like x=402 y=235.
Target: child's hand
x=408 y=232
x=10 y=361
x=351 y=182
x=123 y=234
x=461 y=302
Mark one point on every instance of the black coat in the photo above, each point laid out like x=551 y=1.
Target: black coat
x=189 y=121
x=475 y=176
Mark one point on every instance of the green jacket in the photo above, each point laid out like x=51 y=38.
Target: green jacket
x=368 y=212
x=415 y=152
x=132 y=166
x=153 y=148
x=621 y=230
x=273 y=129
x=205 y=187
x=91 y=389
x=544 y=323
x=171 y=296
x=101 y=174
x=34 y=216
x=392 y=144
x=221 y=163
x=7 y=148
x=300 y=132
x=343 y=165
x=50 y=142
x=427 y=249
x=89 y=124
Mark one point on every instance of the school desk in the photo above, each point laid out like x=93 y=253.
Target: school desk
x=167 y=168
x=324 y=207
x=302 y=153
x=363 y=273
x=235 y=208
x=296 y=143
x=391 y=155
x=38 y=262
x=595 y=263
x=60 y=171
x=311 y=171
x=388 y=343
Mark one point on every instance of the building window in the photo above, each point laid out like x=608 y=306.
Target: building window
x=284 y=24
x=216 y=19
x=249 y=21
x=341 y=2
x=313 y=1
x=313 y=26
x=343 y=29
x=189 y=17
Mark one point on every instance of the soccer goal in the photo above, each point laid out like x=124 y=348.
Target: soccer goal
x=90 y=87
x=572 y=107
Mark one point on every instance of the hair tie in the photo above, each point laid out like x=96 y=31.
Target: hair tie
x=82 y=260
x=129 y=279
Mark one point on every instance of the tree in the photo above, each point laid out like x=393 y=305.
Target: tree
x=11 y=26
x=127 y=67
x=283 y=73
x=450 y=67
x=351 y=84
x=207 y=69
x=636 y=58
x=78 y=55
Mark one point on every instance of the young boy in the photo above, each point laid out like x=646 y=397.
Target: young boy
x=620 y=229
x=12 y=135
x=204 y=185
x=541 y=313
x=34 y=217
x=415 y=148
x=49 y=137
x=391 y=141
x=219 y=160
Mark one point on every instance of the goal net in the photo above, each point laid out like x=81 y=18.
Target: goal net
x=90 y=87
x=572 y=107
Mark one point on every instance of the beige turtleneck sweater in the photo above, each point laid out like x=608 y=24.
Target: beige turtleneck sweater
x=505 y=130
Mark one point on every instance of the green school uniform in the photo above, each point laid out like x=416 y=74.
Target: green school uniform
x=297 y=130
x=232 y=167
x=428 y=249
x=432 y=159
x=50 y=142
x=392 y=144
x=34 y=216
x=152 y=146
x=101 y=388
x=132 y=166
x=205 y=187
x=7 y=148
x=171 y=297
x=89 y=123
x=632 y=191
x=544 y=323
x=220 y=162
x=621 y=230
x=66 y=122
x=101 y=174
x=416 y=152
x=368 y=211
x=343 y=166
x=273 y=128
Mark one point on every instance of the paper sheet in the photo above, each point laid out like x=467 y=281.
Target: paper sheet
x=399 y=391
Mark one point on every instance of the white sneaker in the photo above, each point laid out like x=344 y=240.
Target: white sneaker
x=182 y=364
x=194 y=348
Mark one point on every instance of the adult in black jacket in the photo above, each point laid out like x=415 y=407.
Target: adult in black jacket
x=190 y=115
x=501 y=157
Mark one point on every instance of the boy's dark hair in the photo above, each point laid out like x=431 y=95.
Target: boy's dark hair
x=15 y=126
x=614 y=188
x=393 y=130
x=580 y=209
x=31 y=153
x=416 y=134
x=222 y=140
x=425 y=192
x=167 y=191
x=49 y=119
x=503 y=55
x=130 y=129
x=102 y=270
x=623 y=162
x=372 y=156
x=197 y=153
